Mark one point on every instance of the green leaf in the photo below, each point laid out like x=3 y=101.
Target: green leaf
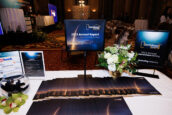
x=16 y=109
x=22 y=103
x=1 y=98
x=9 y=100
x=130 y=70
x=2 y=107
x=107 y=49
x=120 y=70
x=25 y=97
x=7 y=110
x=20 y=94
x=101 y=60
x=104 y=65
x=15 y=96
x=120 y=58
x=17 y=101
x=134 y=70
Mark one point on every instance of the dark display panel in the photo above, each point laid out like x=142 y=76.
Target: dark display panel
x=151 y=47
x=84 y=35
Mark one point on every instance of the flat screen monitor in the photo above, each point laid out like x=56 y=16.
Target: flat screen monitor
x=10 y=64
x=53 y=11
x=151 y=47
x=1 y=30
x=84 y=35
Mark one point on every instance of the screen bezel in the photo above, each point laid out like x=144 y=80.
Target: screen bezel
x=147 y=65
x=84 y=20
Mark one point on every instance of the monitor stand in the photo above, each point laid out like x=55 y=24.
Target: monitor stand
x=85 y=76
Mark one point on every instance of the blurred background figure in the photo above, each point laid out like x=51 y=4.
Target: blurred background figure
x=123 y=38
x=166 y=17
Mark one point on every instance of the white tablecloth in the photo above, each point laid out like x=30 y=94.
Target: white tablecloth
x=12 y=19
x=44 y=20
x=139 y=105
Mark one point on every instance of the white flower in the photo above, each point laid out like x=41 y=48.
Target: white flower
x=110 y=60
x=131 y=55
x=107 y=55
x=115 y=58
x=112 y=67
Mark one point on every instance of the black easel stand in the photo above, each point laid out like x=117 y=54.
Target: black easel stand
x=85 y=64
x=147 y=75
x=85 y=68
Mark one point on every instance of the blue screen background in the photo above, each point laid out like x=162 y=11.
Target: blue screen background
x=152 y=37
x=87 y=42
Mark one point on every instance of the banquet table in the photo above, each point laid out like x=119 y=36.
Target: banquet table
x=44 y=21
x=138 y=105
x=12 y=19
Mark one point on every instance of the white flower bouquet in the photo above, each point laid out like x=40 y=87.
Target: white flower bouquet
x=118 y=58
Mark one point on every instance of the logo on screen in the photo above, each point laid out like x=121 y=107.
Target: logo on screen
x=94 y=27
x=151 y=46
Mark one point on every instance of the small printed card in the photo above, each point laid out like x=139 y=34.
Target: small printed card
x=33 y=63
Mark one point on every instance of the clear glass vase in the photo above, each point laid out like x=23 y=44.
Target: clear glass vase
x=115 y=74
x=14 y=84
